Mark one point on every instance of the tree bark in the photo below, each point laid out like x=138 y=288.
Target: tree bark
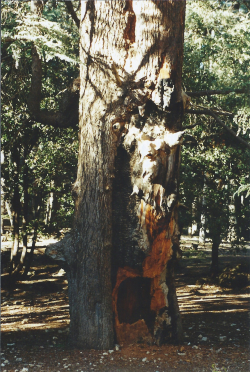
x=125 y=234
x=25 y=185
x=72 y=12
x=216 y=240
x=15 y=211
x=38 y=200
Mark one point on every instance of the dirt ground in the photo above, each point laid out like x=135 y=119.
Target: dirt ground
x=216 y=320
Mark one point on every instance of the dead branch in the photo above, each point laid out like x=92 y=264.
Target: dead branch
x=220 y=122
x=204 y=112
x=217 y=91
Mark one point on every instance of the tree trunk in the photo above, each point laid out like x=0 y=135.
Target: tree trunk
x=125 y=234
x=38 y=201
x=15 y=212
x=215 y=234
x=215 y=255
x=25 y=182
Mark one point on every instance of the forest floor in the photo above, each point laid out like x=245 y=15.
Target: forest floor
x=216 y=321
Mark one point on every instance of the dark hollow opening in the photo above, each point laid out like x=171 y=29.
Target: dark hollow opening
x=133 y=302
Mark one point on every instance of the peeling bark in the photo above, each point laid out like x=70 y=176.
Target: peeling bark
x=125 y=234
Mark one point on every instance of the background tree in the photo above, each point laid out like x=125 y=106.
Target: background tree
x=216 y=76
x=39 y=103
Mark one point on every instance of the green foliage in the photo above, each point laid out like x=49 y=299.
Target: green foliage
x=53 y=164
x=215 y=369
x=52 y=34
x=242 y=189
x=43 y=156
x=234 y=277
x=214 y=166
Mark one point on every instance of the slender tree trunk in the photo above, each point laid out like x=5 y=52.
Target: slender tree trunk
x=125 y=234
x=37 y=209
x=7 y=205
x=202 y=230
x=238 y=216
x=49 y=208
x=15 y=211
x=25 y=217
x=216 y=240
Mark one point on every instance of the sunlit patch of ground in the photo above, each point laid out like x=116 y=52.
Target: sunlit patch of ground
x=41 y=301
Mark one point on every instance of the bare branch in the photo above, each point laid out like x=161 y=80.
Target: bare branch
x=243 y=142
x=191 y=126
x=204 y=112
x=219 y=121
x=67 y=116
x=217 y=91
x=72 y=12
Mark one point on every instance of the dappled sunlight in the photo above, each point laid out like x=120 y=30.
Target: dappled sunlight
x=192 y=299
x=38 y=303
x=41 y=312
x=35 y=322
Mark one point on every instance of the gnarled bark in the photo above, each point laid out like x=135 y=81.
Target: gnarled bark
x=125 y=235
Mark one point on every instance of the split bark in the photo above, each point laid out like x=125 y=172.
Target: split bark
x=125 y=236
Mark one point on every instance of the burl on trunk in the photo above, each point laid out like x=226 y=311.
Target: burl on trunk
x=125 y=236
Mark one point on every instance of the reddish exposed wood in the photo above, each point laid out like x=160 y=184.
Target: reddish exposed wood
x=158 y=300
x=153 y=266
x=129 y=333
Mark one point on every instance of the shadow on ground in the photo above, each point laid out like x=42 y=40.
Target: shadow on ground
x=35 y=321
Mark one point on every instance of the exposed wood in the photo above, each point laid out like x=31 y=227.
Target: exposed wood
x=125 y=227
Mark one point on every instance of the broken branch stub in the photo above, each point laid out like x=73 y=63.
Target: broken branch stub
x=61 y=250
